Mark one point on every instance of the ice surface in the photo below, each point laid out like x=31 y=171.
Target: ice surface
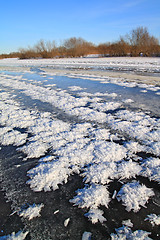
x=103 y=147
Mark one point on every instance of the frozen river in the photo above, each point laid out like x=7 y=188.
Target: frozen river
x=80 y=149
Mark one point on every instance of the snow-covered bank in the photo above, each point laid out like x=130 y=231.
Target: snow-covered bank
x=113 y=148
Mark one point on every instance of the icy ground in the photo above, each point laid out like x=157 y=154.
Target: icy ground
x=121 y=63
x=79 y=161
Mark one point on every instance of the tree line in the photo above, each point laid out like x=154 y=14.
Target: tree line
x=139 y=42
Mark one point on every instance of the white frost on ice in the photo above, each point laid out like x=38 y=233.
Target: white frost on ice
x=127 y=223
x=75 y=88
x=55 y=212
x=128 y=169
x=13 y=137
x=100 y=173
x=66 y=222
x=15 y=236
x=153 y=219
x=34 y=149
x=92 y=197
x=95 y=215
x=104 y=173
x=102 y=134
x=106 y=106
x=134 y=195
x=48 y=175
x=86 y=236
x=128 y=101
x=108 y=152
x=32 y=211
x=125 y=233
x=82 y=148
x=151 y=169
x=133 y=147
x=154 y=148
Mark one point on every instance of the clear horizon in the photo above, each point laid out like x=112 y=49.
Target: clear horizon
x=24 y=23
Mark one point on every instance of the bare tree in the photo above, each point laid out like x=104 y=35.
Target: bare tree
x=138 y=42
x=77 y=47
x=141 y=41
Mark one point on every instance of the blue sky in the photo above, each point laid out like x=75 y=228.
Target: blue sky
x=24 y=22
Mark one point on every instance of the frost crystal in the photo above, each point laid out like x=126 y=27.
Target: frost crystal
x=154 y=219
x=133 y=195
x=125 y=233
x=91 y=197
x=32 y=211
x=15 y=236
x=127 y=223
x=151 y=169
x=47 y=175
x=34 y=149
x=101 y=173
x=13 y=137
x=128 y=169
x=95 y=215
x=86 y=236
x=66 y=222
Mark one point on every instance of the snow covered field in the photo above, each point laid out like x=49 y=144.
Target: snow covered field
x=80 y=149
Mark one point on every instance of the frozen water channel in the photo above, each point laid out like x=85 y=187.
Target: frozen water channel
x=79 y=157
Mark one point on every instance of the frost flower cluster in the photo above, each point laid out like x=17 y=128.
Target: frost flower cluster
x=15 y=236
x=92 y=197
x=133 y=195
x=32 y=211
x=125 y=233
x=153 y=219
